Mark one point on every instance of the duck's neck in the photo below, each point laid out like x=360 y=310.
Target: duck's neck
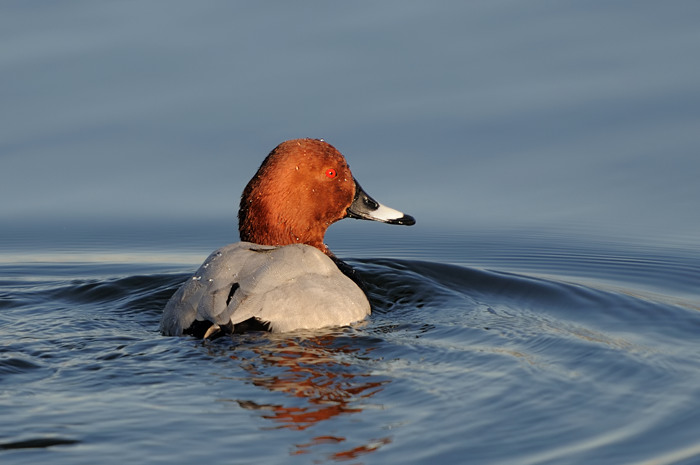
x=278 y=234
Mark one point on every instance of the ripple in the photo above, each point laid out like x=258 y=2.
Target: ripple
x=38 y=443
x=509 y=360
x=16 y=365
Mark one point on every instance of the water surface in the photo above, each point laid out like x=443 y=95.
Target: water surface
x=483 y=347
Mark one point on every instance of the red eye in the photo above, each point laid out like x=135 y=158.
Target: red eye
x=331 y=173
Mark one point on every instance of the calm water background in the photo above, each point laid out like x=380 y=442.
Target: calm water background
x=544 y=310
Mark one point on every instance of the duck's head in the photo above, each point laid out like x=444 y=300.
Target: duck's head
x=301 y=188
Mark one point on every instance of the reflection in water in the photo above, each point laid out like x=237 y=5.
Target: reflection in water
x=326 y=374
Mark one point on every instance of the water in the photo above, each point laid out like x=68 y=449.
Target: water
x=463 y=113
x=544 y=309
x=487 y=346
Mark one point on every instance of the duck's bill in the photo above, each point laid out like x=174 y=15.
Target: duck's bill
x=364 y=207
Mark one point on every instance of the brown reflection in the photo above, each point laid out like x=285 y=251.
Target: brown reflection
x=325 y=374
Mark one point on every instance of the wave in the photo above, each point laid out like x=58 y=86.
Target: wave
x=496 y=357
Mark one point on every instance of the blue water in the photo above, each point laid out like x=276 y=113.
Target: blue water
x=543 y=310
x=529 y=347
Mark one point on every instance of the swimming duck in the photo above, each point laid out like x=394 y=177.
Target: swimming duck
x=281 y=276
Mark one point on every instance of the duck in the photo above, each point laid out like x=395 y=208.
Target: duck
x=281 y=276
